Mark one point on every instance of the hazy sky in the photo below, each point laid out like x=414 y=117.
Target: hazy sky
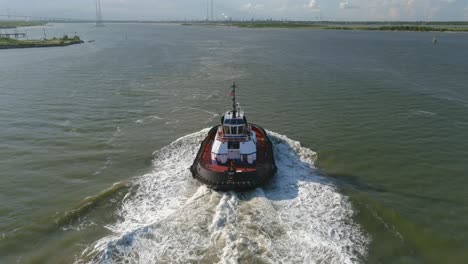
x=245 y=9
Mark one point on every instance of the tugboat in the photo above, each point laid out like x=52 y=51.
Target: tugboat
x=235 y=155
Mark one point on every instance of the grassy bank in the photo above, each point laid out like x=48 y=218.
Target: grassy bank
x=424 y=28
x=6 y=43
x=16 y=24
x=379 y=27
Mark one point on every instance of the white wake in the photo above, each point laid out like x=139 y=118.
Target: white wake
x=299 y=217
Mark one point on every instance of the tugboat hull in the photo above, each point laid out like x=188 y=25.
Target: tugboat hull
x=223 y=178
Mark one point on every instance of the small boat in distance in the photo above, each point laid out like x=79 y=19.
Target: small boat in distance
x=235 y=155
x=434 y=40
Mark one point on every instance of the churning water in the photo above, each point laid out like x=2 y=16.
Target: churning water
x=299 y=217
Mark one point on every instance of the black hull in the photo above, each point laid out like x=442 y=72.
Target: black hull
x=234 y=181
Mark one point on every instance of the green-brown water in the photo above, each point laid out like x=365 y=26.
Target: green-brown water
x=386 y=113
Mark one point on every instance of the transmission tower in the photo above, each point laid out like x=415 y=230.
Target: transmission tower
x=207 y=10
x=212 y=12
x=98 y=13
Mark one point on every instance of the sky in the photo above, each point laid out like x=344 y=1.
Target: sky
x=353 y=10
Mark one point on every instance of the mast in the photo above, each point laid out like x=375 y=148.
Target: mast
x=234 y=100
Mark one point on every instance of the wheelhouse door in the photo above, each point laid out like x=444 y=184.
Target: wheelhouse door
x=233 y=150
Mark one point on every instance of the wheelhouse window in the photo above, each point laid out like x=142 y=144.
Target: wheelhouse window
x=234 y=121
x=231 y=127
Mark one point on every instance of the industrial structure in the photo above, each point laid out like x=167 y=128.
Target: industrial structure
x=209 y=10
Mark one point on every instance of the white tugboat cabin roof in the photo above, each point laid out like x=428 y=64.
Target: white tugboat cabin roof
x=229 y=115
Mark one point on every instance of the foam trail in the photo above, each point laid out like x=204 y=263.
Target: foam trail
x=168 y=217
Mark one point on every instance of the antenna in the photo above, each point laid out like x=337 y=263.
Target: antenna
x=234 y=99
x=98 y=13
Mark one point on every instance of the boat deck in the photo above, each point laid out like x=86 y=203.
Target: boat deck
x=261 y=155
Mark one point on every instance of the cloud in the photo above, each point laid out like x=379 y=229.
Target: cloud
x=345 y=4
x=246 y=6
x=250 y=6
x=113 y=1
x=410 y=2
x=313 y=4
x=413 y=10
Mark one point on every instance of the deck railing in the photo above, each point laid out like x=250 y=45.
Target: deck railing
x=243 y=137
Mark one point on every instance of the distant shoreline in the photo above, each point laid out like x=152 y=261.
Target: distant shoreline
x=370 y=28
x=427 y=26
x=17 y=24
x=454 y=26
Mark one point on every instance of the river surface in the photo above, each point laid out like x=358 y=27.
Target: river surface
x=369 y=131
